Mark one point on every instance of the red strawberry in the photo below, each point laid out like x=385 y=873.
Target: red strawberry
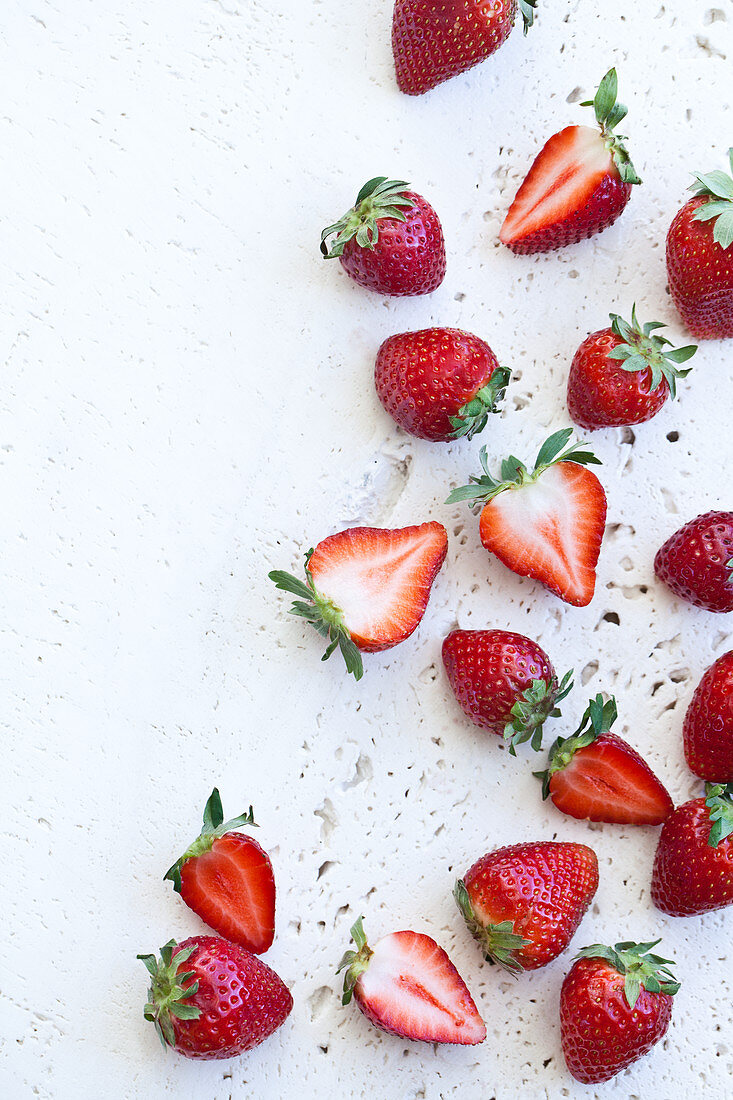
x=408 y=986
x=504 y=683
x=209 y=998
x=434 y=40
x=227 y=879
x=708 y=728
x=623 y=374
x=696 y=562
x=700 y=257
x=439 y=383
x=578 y=184
x=548 y=523
x=390 y=241
x=595 y=775
x=524 y=903
x=615 y=1004
x=693 y=866
x=367 y=587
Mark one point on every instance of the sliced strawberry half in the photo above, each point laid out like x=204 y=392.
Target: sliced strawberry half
x=595 y=775
x=227 y=879
x=367 y=587
x=407 y=985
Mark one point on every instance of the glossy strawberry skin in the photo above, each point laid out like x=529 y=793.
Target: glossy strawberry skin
x=408 y=258
x=700 y=274
x=693 y=561
x=600 y=1033
x=601 y=394
x=242 y=1000
x=424 y=378
x=689 y=877
x=434 y=40
x=708 y=726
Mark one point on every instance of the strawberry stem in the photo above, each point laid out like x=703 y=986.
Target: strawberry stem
x=167 y=992
x=718 y=188
x=354 y=962
x=719 y=801
x=642 y=349
x=498 y=941
x=379 y=198
x=473 y=416
x=213 y=827
x=609 y=112
x=641 y=969
x=597 y=719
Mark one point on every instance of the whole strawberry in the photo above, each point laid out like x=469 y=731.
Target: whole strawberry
x=693 y=865
x=439 y=383
x=209 y=998
x=700 y=257
x=578 y=185
x=504 y=682
x=434 y=40
x=523 y=903
x=227 y=879
x=623 y=374
x=708 y=727
x=615 y=1004
x=390 y=241
x=696 y=562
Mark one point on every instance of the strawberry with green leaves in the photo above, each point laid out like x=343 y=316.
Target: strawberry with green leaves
x=693 y=865
x=708 y=728
x=696 y=562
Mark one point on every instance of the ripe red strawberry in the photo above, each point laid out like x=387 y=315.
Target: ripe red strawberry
x=546 y=523
x=524 y=903
x=407 y=985
x=434 y=40
x=615 y=1004
x=504 y=682
x=693 y=865
x=708 y=728
x=209 y=998
x=623 y=374
x=390 y=241
x=367 y=587
x=595 y=775
x=578 y=184
x=439 y=383
x=696 y=562
x=700 y=257
x=227 y=879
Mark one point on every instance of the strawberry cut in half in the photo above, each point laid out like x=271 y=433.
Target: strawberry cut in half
x=696 y=562
x=596 y=776
x=578 y=185
x=708 y=727
x=227 y=879
x=693 y=864
x=367 y=587
x=406 y=985
x=546 y=523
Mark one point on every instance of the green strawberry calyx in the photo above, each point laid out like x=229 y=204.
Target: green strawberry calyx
x=527 y=8
x=534 y=706
x=608 y=115
x=719 y=801
x=354 y=962
x=473 y=416
x=214 y=826
x=379 y=198
x=168 y=992
x=499 y=942
x=597 y=719
x=514 y=473
x=643 y=349
x=718 y=188
x=322 y=614
x=641 y=969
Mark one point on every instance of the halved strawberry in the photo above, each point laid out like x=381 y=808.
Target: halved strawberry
x=595 y=775
x=548 y=523
x=407 y=985
x=578 y=184
x=227 y=879
x=367 y=587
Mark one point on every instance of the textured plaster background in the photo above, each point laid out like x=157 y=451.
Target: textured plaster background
x=186 y=402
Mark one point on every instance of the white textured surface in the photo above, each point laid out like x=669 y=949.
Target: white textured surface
x=187 y=402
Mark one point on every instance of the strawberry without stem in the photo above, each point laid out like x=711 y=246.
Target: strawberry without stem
x=407 y=985
x=696 y=562
x=439 y=383
x=227 y=879
x=578 y=185
x=693 y=865
x=524 y=903
x=367 y=587
x=546 y=523
x=708 y=726
x=595 y=775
